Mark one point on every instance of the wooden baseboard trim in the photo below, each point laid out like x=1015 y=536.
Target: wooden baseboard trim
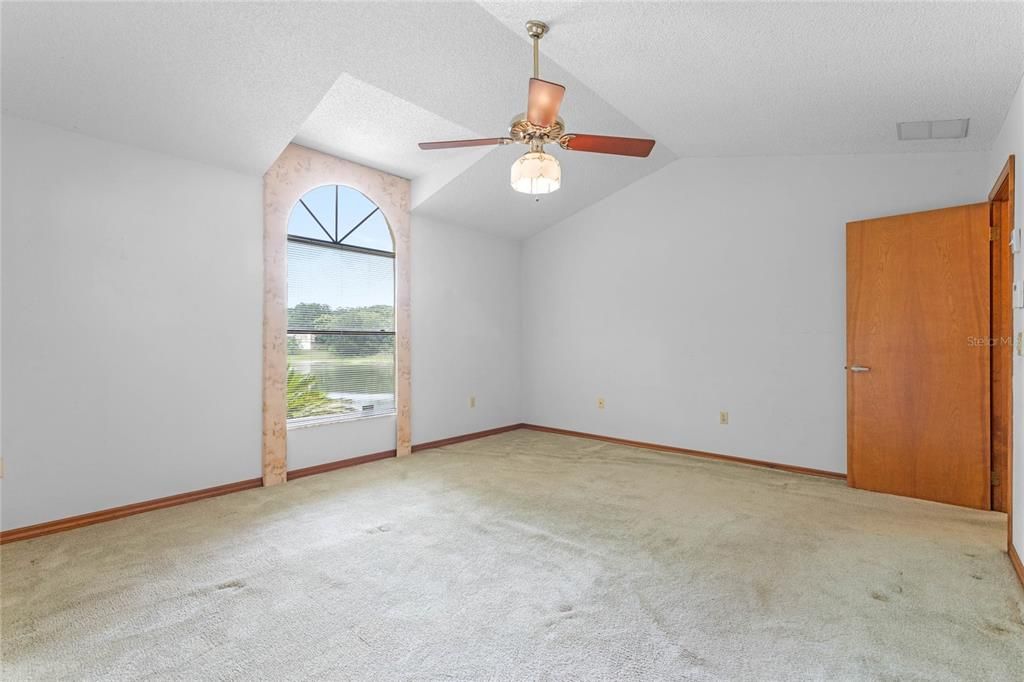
x=1018 y=566
x=342 y=463
x=463 y=438
x=72 y=522
x=339 y=464
x=693 y=453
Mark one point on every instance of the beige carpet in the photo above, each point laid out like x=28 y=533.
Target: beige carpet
x=523 y=556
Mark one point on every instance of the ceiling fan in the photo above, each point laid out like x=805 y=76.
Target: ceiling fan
x=537 y=172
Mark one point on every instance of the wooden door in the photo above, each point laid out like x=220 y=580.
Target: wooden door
x=917 y=355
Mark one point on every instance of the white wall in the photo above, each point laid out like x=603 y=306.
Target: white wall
x=712 y=284
x=132 y=294
x=323 y=443
x=465 y=330
x=1011 y=141
x=134 y=281
x=716 y=284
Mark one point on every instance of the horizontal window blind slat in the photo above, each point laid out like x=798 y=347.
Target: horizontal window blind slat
x=338 y=332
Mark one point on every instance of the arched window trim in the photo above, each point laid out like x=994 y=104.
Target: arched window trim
x=297 y=170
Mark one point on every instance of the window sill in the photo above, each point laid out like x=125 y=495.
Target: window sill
x=302 y=422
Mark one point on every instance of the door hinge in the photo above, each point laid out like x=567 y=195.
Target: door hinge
x=995 y=478
x=993 y=233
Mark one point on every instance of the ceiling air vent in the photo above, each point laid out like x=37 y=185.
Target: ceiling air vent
x=933 y=130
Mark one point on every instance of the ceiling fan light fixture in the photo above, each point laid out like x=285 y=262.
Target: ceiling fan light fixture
x=536 y=173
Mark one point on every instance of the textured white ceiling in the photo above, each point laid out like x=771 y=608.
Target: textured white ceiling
x=744 y=79
x=218 y=82
x=365 y=124
x=233 y=83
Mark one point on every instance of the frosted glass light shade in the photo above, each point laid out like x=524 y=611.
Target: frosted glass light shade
x=536 y=173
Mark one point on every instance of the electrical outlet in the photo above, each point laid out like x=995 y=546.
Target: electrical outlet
x=723 y=417
x=600 y=403
x=472 y=401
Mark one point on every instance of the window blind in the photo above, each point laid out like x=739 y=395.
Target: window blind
x=341 y=324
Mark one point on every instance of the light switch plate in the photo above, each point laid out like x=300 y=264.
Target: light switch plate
x=1018 y=294
x=1015 y=241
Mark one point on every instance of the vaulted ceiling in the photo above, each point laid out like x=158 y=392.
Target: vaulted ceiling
x=232 y=83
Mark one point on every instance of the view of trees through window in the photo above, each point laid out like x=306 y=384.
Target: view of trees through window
x=334 y=366
x=341 y=318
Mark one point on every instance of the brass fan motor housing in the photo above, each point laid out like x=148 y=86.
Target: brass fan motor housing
x=524 y=132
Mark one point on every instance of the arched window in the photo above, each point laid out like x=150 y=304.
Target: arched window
x=341 y=308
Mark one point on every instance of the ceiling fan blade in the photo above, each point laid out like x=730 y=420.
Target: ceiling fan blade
x=453 y=144
x=602 y=144
x=544 y=102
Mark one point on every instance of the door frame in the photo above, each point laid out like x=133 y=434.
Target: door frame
x=1001 y=199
